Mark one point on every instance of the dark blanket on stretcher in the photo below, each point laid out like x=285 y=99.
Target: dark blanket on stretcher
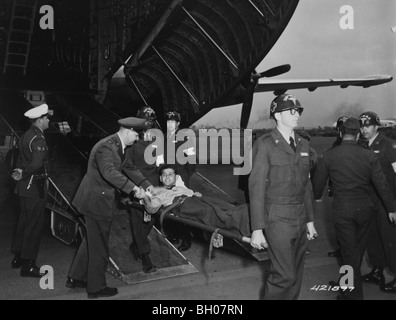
x=217 y=213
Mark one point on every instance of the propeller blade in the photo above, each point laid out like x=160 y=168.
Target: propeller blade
x=276 y=71
x=247 y=104
x=248 y=101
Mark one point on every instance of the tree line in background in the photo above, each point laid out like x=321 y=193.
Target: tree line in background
x=304 y=132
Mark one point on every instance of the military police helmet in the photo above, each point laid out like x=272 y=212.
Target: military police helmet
x=285 y=102
x=369 y=118
x=173 y=115
x=147 y=113
x=340 y=122
x=351 y=123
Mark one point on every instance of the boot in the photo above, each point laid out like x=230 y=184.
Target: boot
x=148 y=266
x=104 y=293
x=375 y=276
x=74 y=283
x=29 y=269
x=389 y=287
x=185 y=244
x=135 y=253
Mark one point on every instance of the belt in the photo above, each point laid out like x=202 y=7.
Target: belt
x=284 y=200
x=36 y=177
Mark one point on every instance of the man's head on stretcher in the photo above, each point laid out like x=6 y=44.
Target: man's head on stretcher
x=168 y=175
x=171 y=180
x=172 y=188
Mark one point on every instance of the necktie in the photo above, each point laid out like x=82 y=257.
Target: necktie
x=122 y=155
x=292 y=145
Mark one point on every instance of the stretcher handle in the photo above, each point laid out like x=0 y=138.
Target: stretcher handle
x=246 y=240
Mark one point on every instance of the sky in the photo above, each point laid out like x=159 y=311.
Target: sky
x=316 y=47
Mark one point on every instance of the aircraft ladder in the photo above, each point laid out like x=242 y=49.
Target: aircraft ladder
x=19 y=35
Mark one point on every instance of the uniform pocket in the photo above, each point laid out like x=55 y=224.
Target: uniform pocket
x=279 y=160
x=282 y=213
x=280 y=170
x=305 y=161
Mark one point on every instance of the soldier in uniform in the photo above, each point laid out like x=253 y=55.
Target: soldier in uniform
x=140 y=222
x=173 y=120
x=381 y=246
x=178 y=233
x=32 y=190
x=281 y=201
x=340 y=121
x=95 y=199
x=352 y=170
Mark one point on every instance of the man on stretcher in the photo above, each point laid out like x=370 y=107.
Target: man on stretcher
x=208 y=210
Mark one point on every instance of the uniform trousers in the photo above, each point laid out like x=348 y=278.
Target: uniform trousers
x=353 y=220
x=90 y=262
x=30 y=226
x=140 y=230
x=381 y=246
x=286 y=234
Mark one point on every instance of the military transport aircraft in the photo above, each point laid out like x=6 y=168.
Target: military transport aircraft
x=188 y=55
x=386 y=123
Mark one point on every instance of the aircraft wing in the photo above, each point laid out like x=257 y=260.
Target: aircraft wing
x=281 y=86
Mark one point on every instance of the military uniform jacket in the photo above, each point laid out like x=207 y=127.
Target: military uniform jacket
x=136 y=154
x=279 y=176
x=33 y=159
x=95 y=196
x=182 y=149
x=352 y=170
x=385 y=149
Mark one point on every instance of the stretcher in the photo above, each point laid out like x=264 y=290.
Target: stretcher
x=217 y=234
x=219 y=237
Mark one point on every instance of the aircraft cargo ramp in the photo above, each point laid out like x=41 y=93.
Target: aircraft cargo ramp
x=68 y=156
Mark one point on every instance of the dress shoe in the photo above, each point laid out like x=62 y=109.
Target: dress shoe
x=389 y=287
x=106 y=292
x=74 y=283
x=148 y=266
x=334 y=254
x=29 y=269
x=376 y=276
x=185 y=245
x=16 y=263
x=135 y=252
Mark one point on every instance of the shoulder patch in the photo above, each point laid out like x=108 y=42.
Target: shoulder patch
x=41 y=148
